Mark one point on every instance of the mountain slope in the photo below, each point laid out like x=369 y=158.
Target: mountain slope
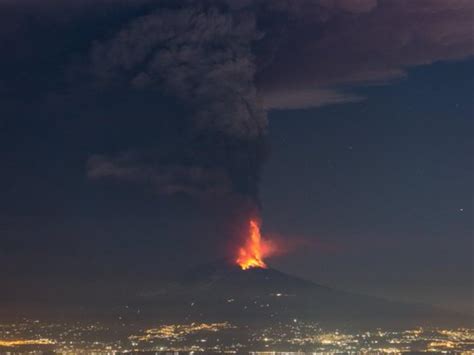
x=221 y=291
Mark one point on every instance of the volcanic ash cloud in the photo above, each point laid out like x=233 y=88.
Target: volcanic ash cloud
x=201 y=56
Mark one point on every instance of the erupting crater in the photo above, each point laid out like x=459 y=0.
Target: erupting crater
x=254 y=250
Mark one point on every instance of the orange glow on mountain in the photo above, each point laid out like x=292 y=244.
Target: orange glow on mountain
x=251 y=254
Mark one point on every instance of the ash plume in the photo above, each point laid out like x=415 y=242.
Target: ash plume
x=229 y=61
x=202 y=56
x=206 y=72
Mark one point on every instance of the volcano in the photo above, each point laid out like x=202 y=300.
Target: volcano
x=222 y=291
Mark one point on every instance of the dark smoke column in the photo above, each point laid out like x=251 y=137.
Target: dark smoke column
x=200 y=55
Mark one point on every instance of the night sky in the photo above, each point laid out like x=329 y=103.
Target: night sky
x=136 y=140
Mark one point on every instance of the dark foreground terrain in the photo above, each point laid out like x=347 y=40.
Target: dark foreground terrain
x=218 y=307
x=221 y=291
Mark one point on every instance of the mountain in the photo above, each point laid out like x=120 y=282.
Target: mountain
x=221 y=291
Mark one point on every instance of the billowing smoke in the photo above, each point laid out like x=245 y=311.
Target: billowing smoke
x=222 y=64
x=228 y=61
x=199 y=54
x=202 y=56
x=329 y=48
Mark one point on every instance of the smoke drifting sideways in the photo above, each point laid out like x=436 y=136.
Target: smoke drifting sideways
x=230 y=61
x=224 y=64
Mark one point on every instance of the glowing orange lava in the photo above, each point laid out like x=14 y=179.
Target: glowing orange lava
x=254 y=250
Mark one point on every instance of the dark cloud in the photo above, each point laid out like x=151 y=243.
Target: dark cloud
x=299 y=48
x=201 y=55
x=361 y=43
x=307 y=98
x=226 y=62
x=170 y=179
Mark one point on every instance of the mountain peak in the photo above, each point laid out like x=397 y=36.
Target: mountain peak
x=230 y=278
x=221 y=290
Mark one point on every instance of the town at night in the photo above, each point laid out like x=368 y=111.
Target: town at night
x=33 y=336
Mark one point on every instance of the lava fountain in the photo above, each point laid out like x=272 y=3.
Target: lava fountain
x=251 y=254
